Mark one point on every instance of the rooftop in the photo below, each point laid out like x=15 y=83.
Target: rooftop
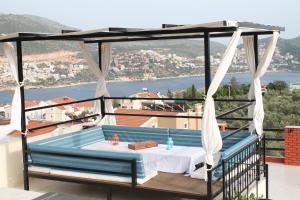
x=147 y=95
x=33 y=103
x=137 y=120
x=35 y=123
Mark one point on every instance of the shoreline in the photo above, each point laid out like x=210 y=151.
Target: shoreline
x=124 y=81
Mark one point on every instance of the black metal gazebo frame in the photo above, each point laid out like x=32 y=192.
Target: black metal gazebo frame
x=167 y=32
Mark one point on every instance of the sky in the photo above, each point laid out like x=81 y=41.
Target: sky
x=89 y=14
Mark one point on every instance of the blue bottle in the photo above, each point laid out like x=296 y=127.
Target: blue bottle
x=170 y=143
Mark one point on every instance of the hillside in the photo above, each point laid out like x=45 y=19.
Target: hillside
x=56 y=63
x=10 y=23
x=291 y=46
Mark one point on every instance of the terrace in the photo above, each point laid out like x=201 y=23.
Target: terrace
x=284 y=184
x=242 y=156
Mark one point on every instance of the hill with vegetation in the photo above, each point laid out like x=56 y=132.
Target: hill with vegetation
x=10 y=23
x=291 y=46
x=282 y=107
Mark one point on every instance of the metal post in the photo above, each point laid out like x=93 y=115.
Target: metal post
x=209 y=185
x=102 y=100
x=133 y=173
x=264 y=152
x=109 y=194
x=207 y=74
x=256 y=49
x=100 y=54
x=255 y=46
x=23 y=116
x=224 y=179
x=267 y=180
x=207 y=61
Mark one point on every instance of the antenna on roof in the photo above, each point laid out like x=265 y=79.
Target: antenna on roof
x=68 y=31
x=170 y=25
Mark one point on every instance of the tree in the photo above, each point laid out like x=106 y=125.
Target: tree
x=234 y=83
x=169 y=94
x=116 y=103
x=278 y=85
x=193 y=91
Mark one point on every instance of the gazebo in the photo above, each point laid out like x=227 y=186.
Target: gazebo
x=247 y=153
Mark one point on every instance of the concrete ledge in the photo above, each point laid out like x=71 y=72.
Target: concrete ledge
x=274 y=159
x=17 y=194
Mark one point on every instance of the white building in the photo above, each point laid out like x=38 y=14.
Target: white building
x=140 y=104
x=294 y=86
x=64 y=113
x=36 y=114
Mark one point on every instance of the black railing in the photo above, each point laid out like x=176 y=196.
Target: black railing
x=241 y=170
x=269 y=139
x=177 y=99
x=102 y=100
x=63 y=104
x=274 y=146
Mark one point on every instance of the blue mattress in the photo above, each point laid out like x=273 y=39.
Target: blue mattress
x=64 y=151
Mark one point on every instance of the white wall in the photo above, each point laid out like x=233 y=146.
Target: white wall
x=11 y=166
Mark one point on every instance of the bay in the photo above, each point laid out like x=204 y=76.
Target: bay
x=85 y=91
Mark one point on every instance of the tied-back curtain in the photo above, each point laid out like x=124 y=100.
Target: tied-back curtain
x=101 y=89
x=211 y=136
x=257 y=110
x=10 y=53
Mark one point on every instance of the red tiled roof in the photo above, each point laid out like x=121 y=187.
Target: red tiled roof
x=87 y=104
x=62 y=100
x=33 y=103
x=147 y=95
x=122 y=120
x=35 y=123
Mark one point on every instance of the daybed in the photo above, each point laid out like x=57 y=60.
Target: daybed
x=67 y=154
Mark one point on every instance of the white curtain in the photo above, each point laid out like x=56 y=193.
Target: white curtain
x=10 y=53
x=211 y=137
x=257 y=110
x=101 y=89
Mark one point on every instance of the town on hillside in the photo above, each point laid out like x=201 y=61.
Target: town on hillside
x=78 y=110
x=68 y=67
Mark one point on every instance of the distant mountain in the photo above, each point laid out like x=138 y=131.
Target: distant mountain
x=291 y=46
x=10 y=23
x=183 y=47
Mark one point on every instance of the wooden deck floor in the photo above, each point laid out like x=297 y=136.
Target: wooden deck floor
x=164 y=182
x=180 y=184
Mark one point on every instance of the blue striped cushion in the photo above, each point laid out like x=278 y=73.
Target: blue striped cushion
x=51 y=157
x=136 y=134
x=75 y=139
x=234 y=149
x=47 y=153
x=186 y=137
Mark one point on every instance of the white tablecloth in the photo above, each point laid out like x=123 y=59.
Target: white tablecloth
x=180 y=159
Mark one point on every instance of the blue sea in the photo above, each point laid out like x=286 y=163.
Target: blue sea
x=127 y=88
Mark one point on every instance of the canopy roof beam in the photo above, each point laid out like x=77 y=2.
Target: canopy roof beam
x=215 y=29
